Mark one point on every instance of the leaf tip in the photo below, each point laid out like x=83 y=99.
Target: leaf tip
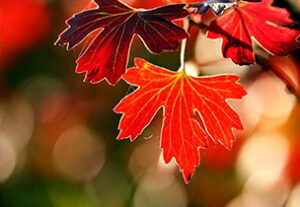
x=141 y=63
x=189 y=177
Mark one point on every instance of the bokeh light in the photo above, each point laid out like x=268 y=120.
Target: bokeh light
x=294 y=198
x=159 y=191
x=267 y=152
x=8 y=158
x=78 y=154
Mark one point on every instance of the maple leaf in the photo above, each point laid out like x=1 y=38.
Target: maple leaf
x=260 y=21
x=194 y=110
x=107 y=55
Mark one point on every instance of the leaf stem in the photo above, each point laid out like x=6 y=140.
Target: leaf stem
x=186 y=25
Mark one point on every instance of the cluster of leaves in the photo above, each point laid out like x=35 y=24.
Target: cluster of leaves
x=195 y=108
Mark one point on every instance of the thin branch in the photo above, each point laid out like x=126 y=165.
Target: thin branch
x=186 y=26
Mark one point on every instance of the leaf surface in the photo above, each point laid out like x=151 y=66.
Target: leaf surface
x=107 y=55
x=194 y=110
x=261 y=21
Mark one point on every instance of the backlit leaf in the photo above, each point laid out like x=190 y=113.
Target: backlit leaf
x=107 y=56
x=195 y=109
x=259 y=21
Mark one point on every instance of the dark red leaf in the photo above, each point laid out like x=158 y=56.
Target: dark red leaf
x=194 y=110
x=107 y=56
x=260 y=21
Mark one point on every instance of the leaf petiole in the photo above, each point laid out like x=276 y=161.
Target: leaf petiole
x=186 y=26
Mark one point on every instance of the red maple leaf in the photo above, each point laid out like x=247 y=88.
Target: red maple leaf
x=107 y=56
x=261 y=21
x=194 y=110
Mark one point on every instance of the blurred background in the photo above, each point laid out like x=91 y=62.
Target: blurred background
x=57 y=134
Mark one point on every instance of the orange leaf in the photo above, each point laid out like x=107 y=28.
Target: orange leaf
x=194 y=110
